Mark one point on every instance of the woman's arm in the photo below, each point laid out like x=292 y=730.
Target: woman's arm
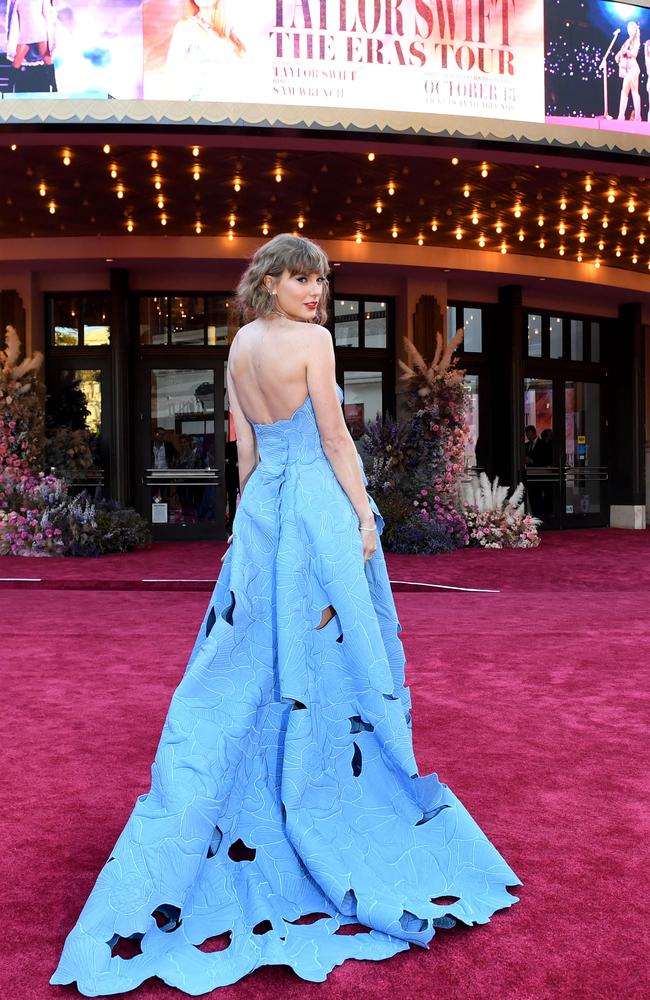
x=247 y=453
x=335 y=437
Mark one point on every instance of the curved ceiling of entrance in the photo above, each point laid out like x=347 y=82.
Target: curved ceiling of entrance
x=449 y=197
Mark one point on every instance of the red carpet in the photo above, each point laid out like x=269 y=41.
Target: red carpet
x=533 y=704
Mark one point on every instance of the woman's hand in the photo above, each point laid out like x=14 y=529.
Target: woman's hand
x=226 y=552
x=368 y=534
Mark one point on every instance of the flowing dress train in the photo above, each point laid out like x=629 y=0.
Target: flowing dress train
x=285 y=800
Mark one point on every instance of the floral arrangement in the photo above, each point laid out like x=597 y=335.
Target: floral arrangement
x=495 y=521
x=414 y=467
x=37 y=515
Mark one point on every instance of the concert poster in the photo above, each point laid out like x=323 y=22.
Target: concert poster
x=481 y=58
x=598 y=65
x=83 y=48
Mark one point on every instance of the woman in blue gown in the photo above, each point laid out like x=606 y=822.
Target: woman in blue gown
x=285 y=799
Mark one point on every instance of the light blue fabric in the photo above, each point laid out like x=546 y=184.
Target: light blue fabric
x=297 y=742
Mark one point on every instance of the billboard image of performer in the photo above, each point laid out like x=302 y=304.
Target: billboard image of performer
x=201 y=43
x=629 y=71
x=597 y=66
x=78 y=48
x=31 y=23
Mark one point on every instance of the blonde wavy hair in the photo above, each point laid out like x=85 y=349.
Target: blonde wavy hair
x=218 y=21
x=285 y=252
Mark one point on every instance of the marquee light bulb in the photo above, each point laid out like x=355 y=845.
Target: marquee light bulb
x=499 y=228
x=379 y=208
x=581 y=238
x=623 y=230
x=459 y=234
x=618 y=251
x=196 y=173
x=631 y=207
x=585 y=214
x=195 y=151
x=611 y=197
x=635 y=259
x=157 y=184
x=484 y=170
x=542 y=244
x=504 y=248
x=371 y=157
x=475 y=219
x=579 y=258
x=521 y=235
x=231 y=235
x=466 y=191
x=129 y=226
x=434 y=227
x=237 y=184
x=163 y=220
x=161 y=203
x=481 y=241
x=601 y=246
x=265 y=230
x=391 y=189
x=197 y=228
x=420 y=241
x=52 y=208
x=42 y=190
x=517 y=211
x=596 y=263
x=154 y=163
x=232 y=221
x=113 y=170
x=561 y=251
x=394 y=234
x=588 y=185
x=278 y=176
x=454 y=160
x=120 y=192
x=605 y=223
x=641 y=240
x=540 y=221
x=107 y=149
x=67 y=159
x=563 y=205
x=358 y=238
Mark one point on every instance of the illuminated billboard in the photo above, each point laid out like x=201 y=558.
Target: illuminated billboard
x=554 y=62
x=598 y=65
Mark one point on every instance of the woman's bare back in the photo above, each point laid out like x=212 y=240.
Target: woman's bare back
x=268 y=365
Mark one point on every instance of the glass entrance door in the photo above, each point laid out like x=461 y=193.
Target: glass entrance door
x=183 y=423
x=585 y=476
x=562 y=454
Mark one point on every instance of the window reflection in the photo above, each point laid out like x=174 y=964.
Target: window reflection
x=375 y=324
x=222 y=319
x=362 y=401
x=96 y=323
x=187 y=320
x=65 y=321
x=534 y=336
x=346 y=323
x=576 y=340
x=473 y=325
x=154 y=319
x=556 y=336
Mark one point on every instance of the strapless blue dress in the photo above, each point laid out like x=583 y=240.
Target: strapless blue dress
x=285 y=799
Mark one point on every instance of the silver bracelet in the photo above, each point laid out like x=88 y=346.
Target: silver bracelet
x=367 y=529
